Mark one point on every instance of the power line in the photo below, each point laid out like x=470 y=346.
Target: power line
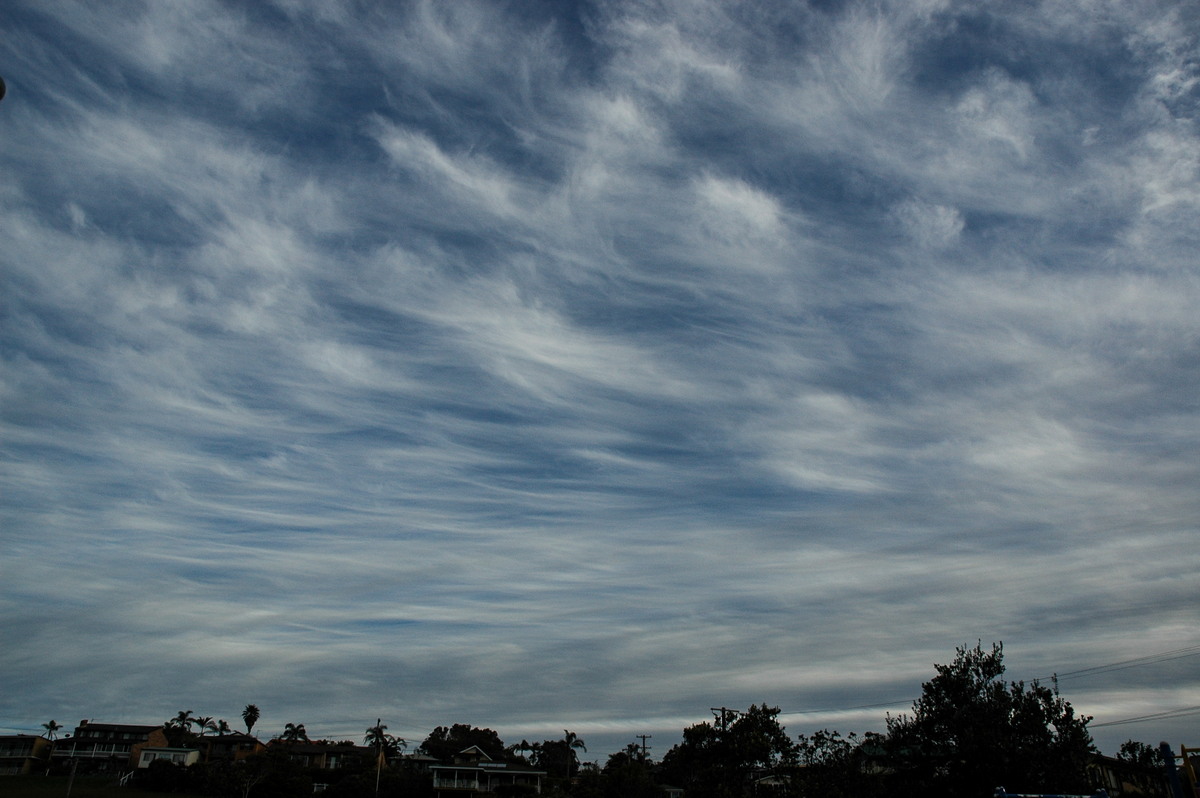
x=1170 y=714
x=1149 y=659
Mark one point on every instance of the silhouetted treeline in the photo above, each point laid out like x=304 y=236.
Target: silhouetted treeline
x=969 y=733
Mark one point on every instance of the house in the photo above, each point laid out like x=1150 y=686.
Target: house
x=176 y=756
x=1118 y=778
x=420 y=762
x=22 y=754
x=108 y=746
x=232 y=747
x=475 y=773
x=324 y=755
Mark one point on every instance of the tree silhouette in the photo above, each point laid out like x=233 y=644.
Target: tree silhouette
x=52 y=728
x=524 y=747
x=970 y=732
x=182 y=720
x=384 y=744
x=573 y=742
x=204 y=723
x=179 y=728
x=250 y=715
x=723 y=757
x=443 y=743
x=294 y=733
x=832 y=766
x=558 y=756
x=628 y=774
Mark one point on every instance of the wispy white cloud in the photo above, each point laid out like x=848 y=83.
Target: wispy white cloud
x=635 y=357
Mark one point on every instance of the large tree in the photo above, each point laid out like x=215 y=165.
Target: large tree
x=628 y=774
x=833 y=766
x=971 y=732
x=1147 y=767
x=725 y=758
x=443 y=743
x=558 y=757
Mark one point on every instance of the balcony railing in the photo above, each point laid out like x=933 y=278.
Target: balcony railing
x=452 y=783
x=97 y=752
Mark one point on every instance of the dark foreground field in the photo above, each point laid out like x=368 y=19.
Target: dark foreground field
x=56 y=787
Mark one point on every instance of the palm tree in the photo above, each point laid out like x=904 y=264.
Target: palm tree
x=51 y=732
x=384 y=744
x=222 y=728
x=294 y=733
x=204 y=723
x=524 y=747
x=573 y=742
x=250 y=715
x=179 y=728
x=183 y=720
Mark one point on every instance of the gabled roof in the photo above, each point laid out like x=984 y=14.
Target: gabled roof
x=475 y=751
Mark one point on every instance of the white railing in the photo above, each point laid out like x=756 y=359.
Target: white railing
x=444 y=783
x=90 y=753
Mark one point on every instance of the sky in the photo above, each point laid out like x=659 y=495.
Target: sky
x=547 y=365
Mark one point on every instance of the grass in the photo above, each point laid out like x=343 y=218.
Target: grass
x=84 y=787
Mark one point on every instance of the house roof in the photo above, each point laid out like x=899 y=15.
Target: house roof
x=122 y=728
x=417 y=756
x=231 y=735
x=319 y=747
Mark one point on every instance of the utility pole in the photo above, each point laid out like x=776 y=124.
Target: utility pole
x=645 y=748
x=724 y=715
x=378 y=754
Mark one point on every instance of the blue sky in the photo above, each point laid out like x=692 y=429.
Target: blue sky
x=545 y=365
